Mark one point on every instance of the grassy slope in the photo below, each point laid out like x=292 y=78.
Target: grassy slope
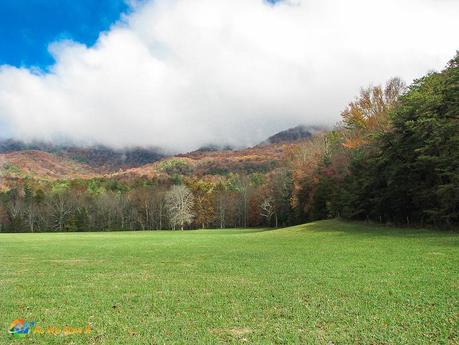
x=326 y=282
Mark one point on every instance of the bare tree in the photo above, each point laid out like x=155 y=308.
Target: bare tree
x=31 y=214
x=123 y=210
x=179 y=201
x=3 y=216
x=61 y=207
x=242 y=185
x=160 y=208
x=267 y=209
x=15 y=210
x=221 y=199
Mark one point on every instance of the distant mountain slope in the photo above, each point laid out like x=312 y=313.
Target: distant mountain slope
x=294 y=134
x=43 y=161
x=102 y=158
x=41 y=165
x=106 y=160
x=260 y=159
x=44 y=166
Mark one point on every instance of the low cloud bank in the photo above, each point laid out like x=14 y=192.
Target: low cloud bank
x=182 y=74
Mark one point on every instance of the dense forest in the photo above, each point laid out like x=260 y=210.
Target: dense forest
x=393 y=159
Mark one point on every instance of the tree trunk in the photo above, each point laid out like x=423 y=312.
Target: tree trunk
x=160 y=218
x=31 y=220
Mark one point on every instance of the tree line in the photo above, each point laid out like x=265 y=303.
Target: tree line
x=394 y=158
x=235 y=200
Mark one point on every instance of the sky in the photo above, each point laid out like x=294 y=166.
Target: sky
x=28 y=26
x=180 y=74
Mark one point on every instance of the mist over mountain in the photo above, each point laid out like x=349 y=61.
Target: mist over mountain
x=66 y=160
x=107 y=159
x=99 y=157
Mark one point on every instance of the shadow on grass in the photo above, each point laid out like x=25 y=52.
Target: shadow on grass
x=374 y=229
x=233 y=231
x=338 y=226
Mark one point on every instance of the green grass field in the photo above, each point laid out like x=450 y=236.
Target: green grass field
x=322 y=283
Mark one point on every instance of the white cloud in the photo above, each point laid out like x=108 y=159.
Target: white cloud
x=180 y=74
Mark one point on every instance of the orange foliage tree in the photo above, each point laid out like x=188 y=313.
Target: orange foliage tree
x=369 y=113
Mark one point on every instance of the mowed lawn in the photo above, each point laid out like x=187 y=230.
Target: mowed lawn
x=322 y=283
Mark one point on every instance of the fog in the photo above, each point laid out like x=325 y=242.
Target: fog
x=182 y=74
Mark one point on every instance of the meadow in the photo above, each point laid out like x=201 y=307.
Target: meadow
x=327 y=282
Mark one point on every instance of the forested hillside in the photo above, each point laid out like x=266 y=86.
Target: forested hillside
x=101 y=158
x=394 y=158
x=297 y=133
x=41 y=165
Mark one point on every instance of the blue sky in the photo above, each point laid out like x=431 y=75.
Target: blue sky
x=28 y=26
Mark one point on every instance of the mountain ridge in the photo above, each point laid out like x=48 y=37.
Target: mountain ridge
x=48 y=162
x=293 y=134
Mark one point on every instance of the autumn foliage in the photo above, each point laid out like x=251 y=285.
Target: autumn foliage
x=392 y=159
